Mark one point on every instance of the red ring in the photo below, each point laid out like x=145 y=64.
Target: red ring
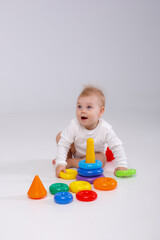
x=86 y=195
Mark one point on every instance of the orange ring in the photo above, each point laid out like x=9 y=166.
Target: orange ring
x=105 y=183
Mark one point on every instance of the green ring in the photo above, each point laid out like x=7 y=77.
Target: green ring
x=58 y=187
x=125 y=173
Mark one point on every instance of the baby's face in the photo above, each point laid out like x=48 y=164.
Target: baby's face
x=89 y=111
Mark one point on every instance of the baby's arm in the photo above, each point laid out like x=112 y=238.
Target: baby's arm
x=116 y=147
x=62 y=150
x=59 y=168
x=119 y=168
x=67 y=138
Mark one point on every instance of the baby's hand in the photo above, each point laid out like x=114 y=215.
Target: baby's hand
x=59 y=168
x=119 y=168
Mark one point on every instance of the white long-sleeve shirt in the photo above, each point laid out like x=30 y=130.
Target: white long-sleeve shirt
x=103 y=136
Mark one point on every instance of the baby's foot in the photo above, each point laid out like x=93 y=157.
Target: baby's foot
x=54 y=161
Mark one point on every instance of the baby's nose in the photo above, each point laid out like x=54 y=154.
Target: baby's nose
x=83 y=110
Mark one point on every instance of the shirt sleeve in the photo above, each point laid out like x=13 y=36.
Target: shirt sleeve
x=67 y=138
x=116 y=146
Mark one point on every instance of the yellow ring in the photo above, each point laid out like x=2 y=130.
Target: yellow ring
x=79 y=186
x=69 y=175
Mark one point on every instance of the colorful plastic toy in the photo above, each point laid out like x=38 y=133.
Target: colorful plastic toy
x=105 y=183
x=90 y=155
x=88 y=179
x=69 y=175
x=82 y=164
x=89 y=168
x=125 y=173
x=63 y=197
x=86 y=196
x=58 y=187
x=79 y=186
x=109 y=155
x=37 y=190
x=90 y=173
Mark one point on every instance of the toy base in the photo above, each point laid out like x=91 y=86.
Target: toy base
x=88 y=179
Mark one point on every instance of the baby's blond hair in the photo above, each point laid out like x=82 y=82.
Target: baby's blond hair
x=89 y=90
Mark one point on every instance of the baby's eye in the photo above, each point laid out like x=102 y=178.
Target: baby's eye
x=79 y=106
x=89 y=107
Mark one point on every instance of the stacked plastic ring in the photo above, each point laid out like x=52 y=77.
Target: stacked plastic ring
x=58 y=187
x=86 y=195
x=125 y=173
x=63 y=197
x=89 y=171
x=105 y=184
x=61 y=193
x=69 y=174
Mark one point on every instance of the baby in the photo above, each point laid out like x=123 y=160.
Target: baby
x=88 y=124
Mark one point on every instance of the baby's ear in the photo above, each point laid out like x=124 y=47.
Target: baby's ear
x=101 y=111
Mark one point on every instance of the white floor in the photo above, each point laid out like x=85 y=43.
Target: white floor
x=132 y=211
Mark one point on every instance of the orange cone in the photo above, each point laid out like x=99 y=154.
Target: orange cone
x=37 y=189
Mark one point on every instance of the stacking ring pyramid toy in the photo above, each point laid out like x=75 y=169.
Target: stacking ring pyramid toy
x=89 y=168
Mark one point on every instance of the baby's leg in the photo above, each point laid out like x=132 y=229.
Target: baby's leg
x=73 y=162
x=101 y=156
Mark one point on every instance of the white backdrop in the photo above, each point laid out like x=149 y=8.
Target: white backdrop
x=50 y=49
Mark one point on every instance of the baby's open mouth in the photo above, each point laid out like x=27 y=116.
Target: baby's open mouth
x=84 y=118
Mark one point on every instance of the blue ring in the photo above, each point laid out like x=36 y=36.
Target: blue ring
x=88 y=166
x=90 y=173
x=63 y=197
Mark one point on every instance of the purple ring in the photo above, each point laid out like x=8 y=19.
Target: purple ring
x=88 y=179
